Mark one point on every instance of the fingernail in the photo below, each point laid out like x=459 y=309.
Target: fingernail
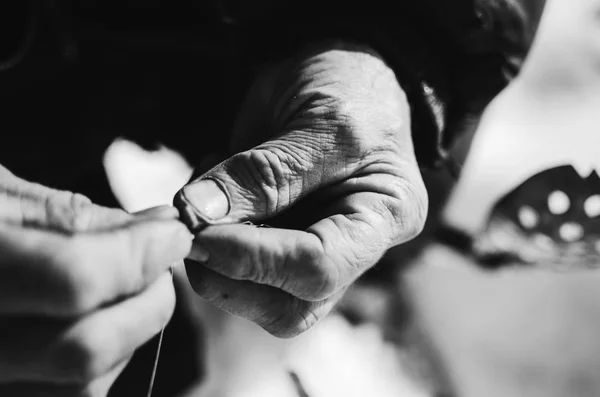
x=208 y=198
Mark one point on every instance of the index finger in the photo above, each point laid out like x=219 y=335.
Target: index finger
x=316 y=263
x=49 y=273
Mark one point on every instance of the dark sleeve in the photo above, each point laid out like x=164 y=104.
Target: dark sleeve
x=16 y=23
x=451 y=58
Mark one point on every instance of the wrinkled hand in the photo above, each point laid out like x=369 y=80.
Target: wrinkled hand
x=323 y=148
x=81 y=287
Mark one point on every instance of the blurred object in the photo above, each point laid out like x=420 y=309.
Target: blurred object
x=547 y=118
x=551 y=220
x=141 y=179
x=340 y=360
x=334 y=358
x=517 y=333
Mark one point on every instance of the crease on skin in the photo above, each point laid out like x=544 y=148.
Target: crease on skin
x=287 y=265
x=329 y=274
x=293 y=150
x=275 y=324
x=326 y=248
x=77 y=208
x=358 y=234
x=272 y=174
x=305 y=323
x=307 y=106
x=13 y=194
x=267 y=181
x=382 y=214
x=36 y=205
x=397 y=222
x=397 y=190
x=294 y=320
x=288 y=258
x=284 y=174
x=295 y=186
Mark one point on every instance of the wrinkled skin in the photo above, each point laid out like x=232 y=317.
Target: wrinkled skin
x=81 y=287
x=332 y=121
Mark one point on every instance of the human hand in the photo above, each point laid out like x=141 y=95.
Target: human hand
x=81 y=287
x=324 y=149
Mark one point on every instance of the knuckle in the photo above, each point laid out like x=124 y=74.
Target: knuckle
x=39 y=205
x=322 y=274
x=266 y=174
x=69 y=211
x=255 y=171
x=409 y=209
x=328 y=282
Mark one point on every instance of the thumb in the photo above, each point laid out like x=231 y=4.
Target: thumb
x=262 y=182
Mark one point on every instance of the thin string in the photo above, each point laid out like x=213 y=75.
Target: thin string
x=151 y=386
x=157 y=356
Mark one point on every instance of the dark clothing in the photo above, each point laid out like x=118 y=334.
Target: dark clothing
x=76 y=74
x=140 y=68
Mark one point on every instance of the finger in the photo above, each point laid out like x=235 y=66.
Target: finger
x=52 y=274
x=78 y=353
x=262 y=182
x=162 y=212
x=35 y=205
x=98 y=388
x=274 y=310
x=318 y=262
x=31 y=204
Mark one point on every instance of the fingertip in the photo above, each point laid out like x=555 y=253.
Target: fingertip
x=161 y=243
x=199 y=253
x=182 y=241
